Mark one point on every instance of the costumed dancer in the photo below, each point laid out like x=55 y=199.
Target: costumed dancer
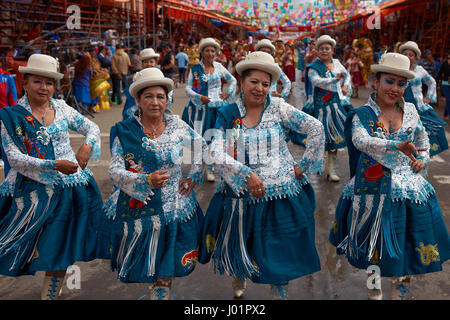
x=149 y=59
x=260 y=223
x=99 y=85
x=413 y=94
x=328 y=87
x=49 y=200
x=155 y=219
x=204 y=90
x=388 y=214
x=265 y=45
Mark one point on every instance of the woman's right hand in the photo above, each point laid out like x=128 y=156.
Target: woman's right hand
x=205 y=99
x=256 y=186
x=408 y=148
x=66 y=166
x=158 y=178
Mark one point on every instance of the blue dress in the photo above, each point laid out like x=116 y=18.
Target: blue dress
x=48 y=220
x=326 y=102
x=430 y=120
x=149 y=232
x=196 y=114
x=271 y=239
x=388 y=215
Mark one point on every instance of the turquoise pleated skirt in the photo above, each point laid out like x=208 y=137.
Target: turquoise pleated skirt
x=269 y=242
x=158 y=249
x=43 y=229
x=192 y=114
x=420 y=231
x=435 y=128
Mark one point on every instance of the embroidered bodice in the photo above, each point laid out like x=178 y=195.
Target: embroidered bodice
x=330 y=82
x=57 y=133
x=405 y=183
x=169 y=152
x=266 y=151
x=214 y=87
x=423 y=77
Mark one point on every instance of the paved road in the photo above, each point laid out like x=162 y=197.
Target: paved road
x=336 y=279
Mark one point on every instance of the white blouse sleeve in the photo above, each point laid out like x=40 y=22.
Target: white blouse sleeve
x=40 y=170
x=132 y=183
x=298 y=121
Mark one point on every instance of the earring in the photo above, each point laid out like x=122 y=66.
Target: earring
x=140 y=114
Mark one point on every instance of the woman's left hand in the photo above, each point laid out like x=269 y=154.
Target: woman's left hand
x=417 y=165
x=185 y=186
x=344 y=90
x=299 y=171
x=224 y=95
x=426 y=100
x=82 y=155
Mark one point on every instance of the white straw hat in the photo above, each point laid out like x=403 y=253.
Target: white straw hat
x=410 y=45
x=265 y=43
x=394 y=63
x=208 y=42
x=148 y=53
x=260 y=60
x=149 y=77
x=325 y=39
x=42 y=65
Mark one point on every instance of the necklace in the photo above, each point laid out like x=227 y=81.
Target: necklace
x=43 y=116
x=154 y=131
x=392 y=114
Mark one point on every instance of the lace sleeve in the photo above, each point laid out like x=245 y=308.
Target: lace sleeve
x=132 y=183
x=431 y=85
x=86 y=127
x=232 y=171
x=40 y=170
x=381 y=150
x=421 y=141
x=298 y=121
x=330 y=84
x=232 y=83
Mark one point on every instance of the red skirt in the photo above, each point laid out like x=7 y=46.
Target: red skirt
x=357 y=79
x=290 y=72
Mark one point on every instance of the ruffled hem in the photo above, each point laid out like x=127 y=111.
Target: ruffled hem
x=312 y=166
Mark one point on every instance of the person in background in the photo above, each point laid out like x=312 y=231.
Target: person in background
x=167 y=64
x=8 y=93
x=182 y=60
x=81 y=82
x=135 y=60
x=354 y=65
x=428 y=63
x=120 y=66
x=444 y=75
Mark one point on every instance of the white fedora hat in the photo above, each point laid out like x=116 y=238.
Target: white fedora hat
x=410 y=45
x=42 y=65
x=148 y=53
x=260 y=60
x=208 y=42
x=394 y=63
x=265 y=43
x=325 y=39
x=149 y=77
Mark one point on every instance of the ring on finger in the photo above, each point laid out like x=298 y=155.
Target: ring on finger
x=185 y=185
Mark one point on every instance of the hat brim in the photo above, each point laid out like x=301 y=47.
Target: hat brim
x=415 y=50
x=272 y=47
x=40 y=72
x=319 y=43
x=209 y=44
x=150 y=56
x=376 y=68
x=136 y=86
x=273 y=70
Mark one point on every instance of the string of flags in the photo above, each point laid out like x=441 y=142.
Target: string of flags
x=267 y=13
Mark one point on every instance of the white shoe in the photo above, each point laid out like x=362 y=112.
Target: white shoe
x=279 y=292
x=331 y=175
x=52 y=287
x=239 y=287
x=210 y=176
